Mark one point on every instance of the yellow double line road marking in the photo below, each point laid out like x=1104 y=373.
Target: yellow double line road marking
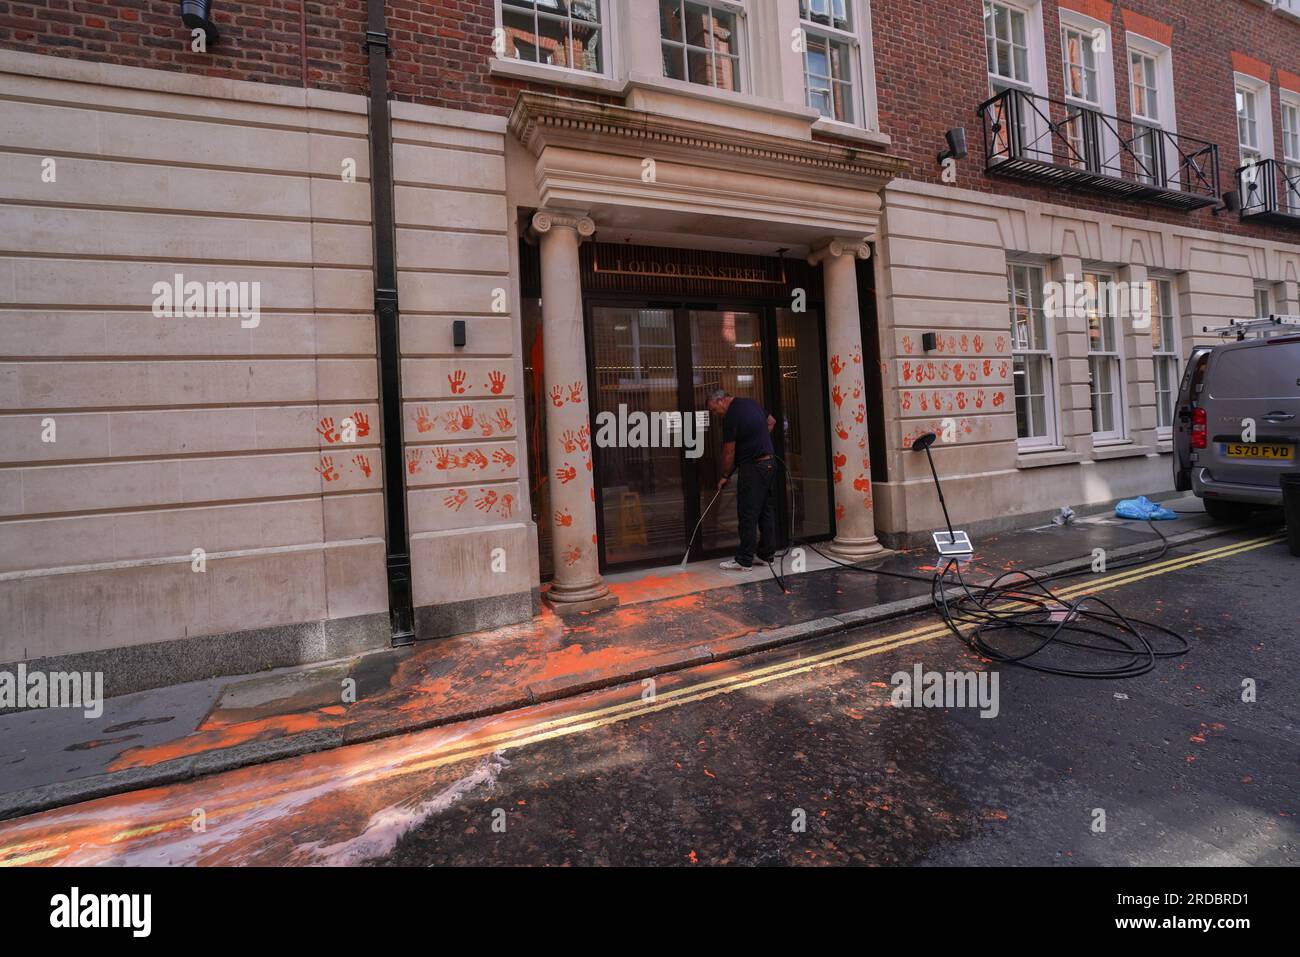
x=599 y=717
x=512 y=739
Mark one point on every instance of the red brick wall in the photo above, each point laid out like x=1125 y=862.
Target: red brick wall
x=931 y=74
x=930 y=65
x=258 y=41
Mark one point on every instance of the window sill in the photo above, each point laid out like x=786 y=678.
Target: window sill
x=698 y=91
x=1118 y=450
x=849 y=131
x=559 y=76
x=1034 y=458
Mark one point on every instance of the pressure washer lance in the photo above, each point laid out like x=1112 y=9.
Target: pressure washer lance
x=703 y=516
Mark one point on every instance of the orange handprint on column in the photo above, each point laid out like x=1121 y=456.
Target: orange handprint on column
x=475 y=459
x=563 y=518
x=860 y=413
x=841 y=431
x=363 y=463
x=837 y=396
x=575 y=392
x=443 y=461
x=566 y=473
x=998 y=399
x=485 y=503
x=979 y=343
x=456 y=499
x=568 y=441
x=584 y=438
x=573 y=555
x=857 y=355
x=465 y=417
x=422 y=421
x=557 y=395
x=503 y=420
x=503 y=458
x=457 y=382
x=326 y=430
x=496 y=383
x=836 y=365
x=363 y=424
x=413 y=460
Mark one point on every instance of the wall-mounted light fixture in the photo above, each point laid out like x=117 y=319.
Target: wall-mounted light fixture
x=196 y=15
x=956 y=144
x=1231 y=202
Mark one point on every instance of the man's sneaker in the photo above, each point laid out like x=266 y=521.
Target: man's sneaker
x=732 y=565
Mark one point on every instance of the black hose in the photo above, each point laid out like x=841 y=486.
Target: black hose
x=1016 y=617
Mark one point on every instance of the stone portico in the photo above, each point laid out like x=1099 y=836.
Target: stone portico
x=698 y=177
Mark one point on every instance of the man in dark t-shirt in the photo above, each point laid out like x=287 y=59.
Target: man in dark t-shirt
x=747 y=448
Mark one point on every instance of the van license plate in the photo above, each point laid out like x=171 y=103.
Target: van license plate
x=1272 y=453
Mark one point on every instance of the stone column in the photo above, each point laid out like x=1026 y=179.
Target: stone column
x=855 y=530
x=577 y=585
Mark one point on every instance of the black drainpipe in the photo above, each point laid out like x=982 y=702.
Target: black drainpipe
x=397 y=541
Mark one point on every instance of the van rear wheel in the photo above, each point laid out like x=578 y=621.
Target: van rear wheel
x=1224 y=511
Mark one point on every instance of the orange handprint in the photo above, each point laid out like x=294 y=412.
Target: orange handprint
x=456 y=499
x=475 y=459
x=507 y=505
x=363 y=463
x=503 y=420
x=575 y=392
x=836 y=365
x=485 y=503
x=326 y=469
x=998 y=399
x=841 y=431
x=422 y=421
x=443 y=460
x=563 y=518
x=413 y=460
x=573 y=555
x=566 y=473
x=496 y=383
x=569 y=441
x=859 y=413
x=584 y=436
x=457 y=382
x=465 y=417
x=837 y=396
x=503 y=458
x=862 y=483
x=326 y=429
x=557 y=396
x=363 y=424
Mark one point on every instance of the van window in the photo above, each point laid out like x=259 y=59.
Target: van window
x=1261 y=372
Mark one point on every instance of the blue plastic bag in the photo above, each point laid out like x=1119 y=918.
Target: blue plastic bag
x=1142 y=508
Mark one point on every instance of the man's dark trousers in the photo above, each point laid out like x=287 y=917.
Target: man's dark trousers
x=756 y=511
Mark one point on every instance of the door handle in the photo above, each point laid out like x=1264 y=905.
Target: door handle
x=1279 y=417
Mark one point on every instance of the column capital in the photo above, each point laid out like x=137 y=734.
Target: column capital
x=839 y=246
x=544 y=220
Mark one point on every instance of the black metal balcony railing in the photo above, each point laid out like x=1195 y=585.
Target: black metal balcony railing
x=1270 y=192
x=1036 y=138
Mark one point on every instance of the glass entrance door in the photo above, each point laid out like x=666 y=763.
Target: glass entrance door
x=641 y=496
x=662 y=361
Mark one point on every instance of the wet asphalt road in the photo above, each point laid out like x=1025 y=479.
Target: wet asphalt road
x=1184 y=771
x=728 y=759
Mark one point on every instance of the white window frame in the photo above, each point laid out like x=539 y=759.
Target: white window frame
x=1263 y=300
x=1035 y=142
x=1164 y=301
x=1105 y=103
x=608 y=54
x=1035 y=275
x=1112 y=357
x=1290 y=102
x=850 y=37
x=1263 y=118
x=1168 y=119
x=737 y=8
